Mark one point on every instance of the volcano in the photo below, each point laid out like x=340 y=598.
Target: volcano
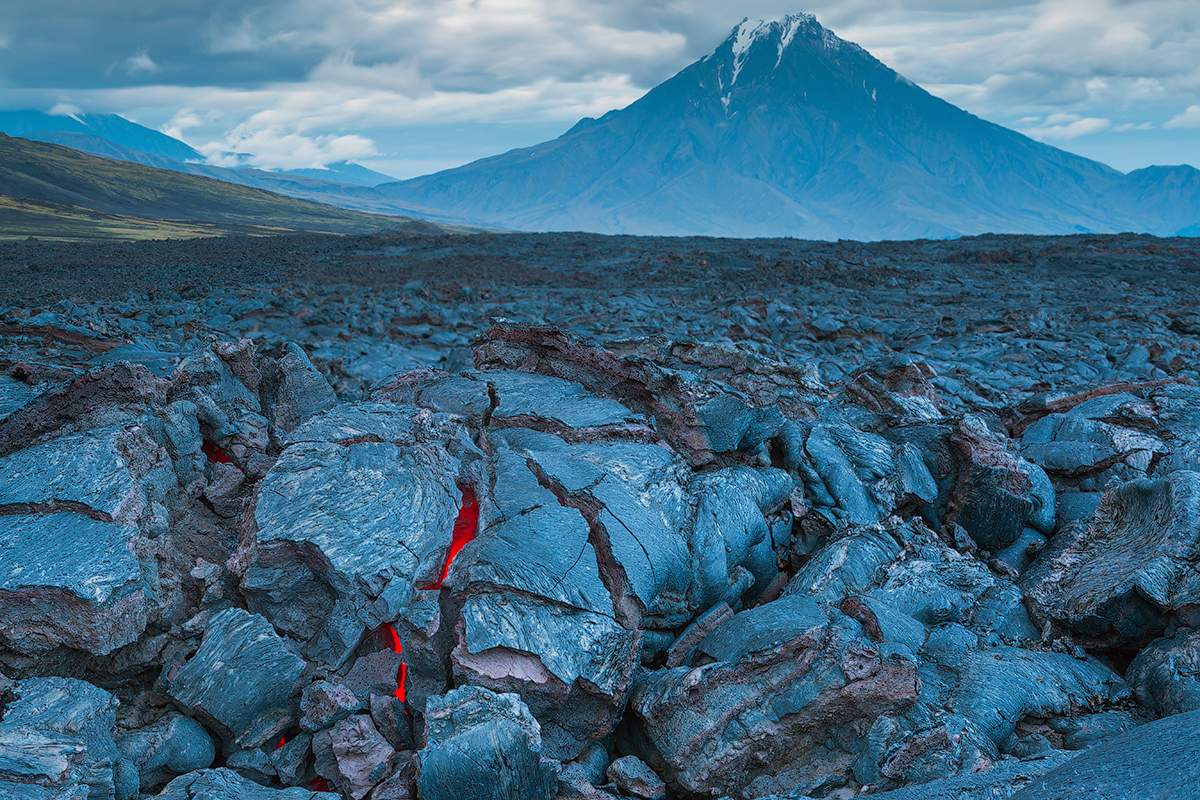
x=785 y=129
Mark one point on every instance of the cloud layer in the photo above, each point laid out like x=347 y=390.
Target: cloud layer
x=284 y=83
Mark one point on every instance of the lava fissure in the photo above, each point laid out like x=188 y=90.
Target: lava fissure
x=466 y=527
x=215 y=454
x=627 y=610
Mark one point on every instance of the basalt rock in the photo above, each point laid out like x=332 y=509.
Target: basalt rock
x=1116 y=579
x=485 y=745
x=171 y=746
x=340 y=543
x=225 y=784
x=757 y=717
x=1149 y=762
x=1166 y=674
x=56 y=739
x=241 y=680
x=77 y=512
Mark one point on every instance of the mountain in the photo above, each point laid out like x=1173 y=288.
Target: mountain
x=346 y=172
x=123 y=138
x=52 y=191
x=786 y=129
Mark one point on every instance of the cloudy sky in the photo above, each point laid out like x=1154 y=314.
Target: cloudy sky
x=410 y=86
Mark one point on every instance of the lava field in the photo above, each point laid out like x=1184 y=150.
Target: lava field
x=526 y=517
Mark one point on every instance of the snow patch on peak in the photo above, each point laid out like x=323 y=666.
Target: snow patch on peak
x=749 y=31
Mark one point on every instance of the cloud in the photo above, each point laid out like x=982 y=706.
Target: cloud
x=1067 y=127
x=140 y=63
x=271 y=148
x=1127 y=127
x=64 y=109
x=1188 y=119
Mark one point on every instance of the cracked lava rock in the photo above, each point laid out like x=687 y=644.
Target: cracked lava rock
x=536 y=538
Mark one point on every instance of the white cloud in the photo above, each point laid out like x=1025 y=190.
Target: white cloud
x=1067 y=127
x=271 y=148
x=64 y=109
x=1127 y=127
x=378 y=65
x=140 y=63
x=1188 y=119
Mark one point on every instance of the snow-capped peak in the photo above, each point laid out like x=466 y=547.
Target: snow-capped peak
x=749 y=31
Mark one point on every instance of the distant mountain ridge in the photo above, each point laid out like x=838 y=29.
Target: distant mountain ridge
x=52 y=191
x=786 y=129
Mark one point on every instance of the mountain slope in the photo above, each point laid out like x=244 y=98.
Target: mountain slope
x=785 y=129
x=52 y=191
x=131 y=140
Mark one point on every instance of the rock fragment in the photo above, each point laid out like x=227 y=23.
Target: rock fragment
x=483 y=745
x=241 y=679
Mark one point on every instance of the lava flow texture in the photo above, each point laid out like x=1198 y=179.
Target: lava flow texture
x=465 y=529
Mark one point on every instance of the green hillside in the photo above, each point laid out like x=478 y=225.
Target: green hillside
x=56 y=192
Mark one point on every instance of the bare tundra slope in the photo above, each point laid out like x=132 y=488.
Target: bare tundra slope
x=578 y=517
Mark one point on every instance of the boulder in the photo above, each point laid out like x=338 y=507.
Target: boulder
x=241 y=680
x=225 y=784
x=76 y=514
x=1155 y=761
x=483 y=745
x=1165 y=675
x=171 y=746
x=788 y=690
x=342 y=521
x=56 y=736
x=1117 y=579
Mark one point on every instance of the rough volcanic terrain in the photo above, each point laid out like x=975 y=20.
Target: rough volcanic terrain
x=560 y=516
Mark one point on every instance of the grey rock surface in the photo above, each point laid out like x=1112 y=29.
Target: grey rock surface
x=757 y=518
x=241 y=680
x=484 y=745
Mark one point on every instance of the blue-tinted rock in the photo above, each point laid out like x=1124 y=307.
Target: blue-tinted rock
x=1155 y=761
x=483 y=745
x=171 y=746
x=225 y=784
x=57 y=733
x=72 y=570
x=345 y=523
x=756 y=719
x=241 y=680
x=1166 y=674
x=293 y=390
x=1118 y=578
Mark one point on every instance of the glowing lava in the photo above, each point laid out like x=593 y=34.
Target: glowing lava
x=465 y=528
x=216 y=454
x=401 y=693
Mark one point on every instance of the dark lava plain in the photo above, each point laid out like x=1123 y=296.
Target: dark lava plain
x=568 y=517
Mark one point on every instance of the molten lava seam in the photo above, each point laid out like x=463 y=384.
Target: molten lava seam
x=466 y=526
x=216 y=454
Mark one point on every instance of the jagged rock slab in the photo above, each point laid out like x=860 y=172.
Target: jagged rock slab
x=790 y=690
x=1165 y=675
x=72 y=512
x=170 y=746
x=344 y=520
x=57 y=734
x=1155 y=761
x=225 y=784
x=483 y=745
x=1116 y=579
x=241 y=679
